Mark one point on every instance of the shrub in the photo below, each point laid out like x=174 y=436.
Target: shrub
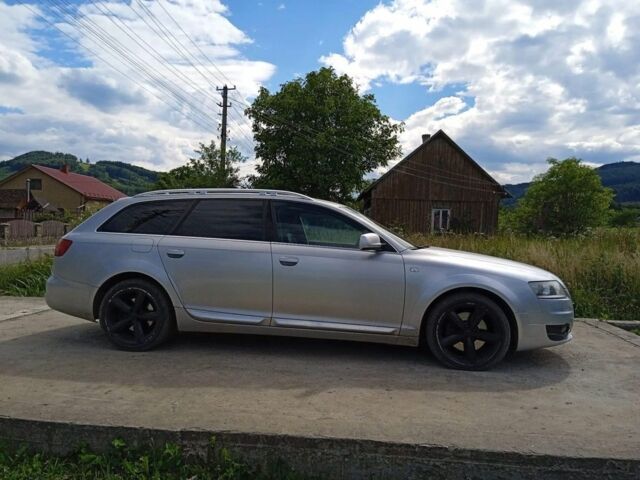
x=25 y=279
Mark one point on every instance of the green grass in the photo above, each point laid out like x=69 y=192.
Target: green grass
x=601 y=269
x=25 y=279
x=121 y=462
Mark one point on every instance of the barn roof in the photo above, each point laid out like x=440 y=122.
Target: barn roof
x=439 y=134
x=90 y=187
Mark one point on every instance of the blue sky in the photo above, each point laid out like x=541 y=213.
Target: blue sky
x=512 y=81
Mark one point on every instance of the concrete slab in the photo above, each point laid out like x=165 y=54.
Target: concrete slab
x=578 y=400
x=13 y=307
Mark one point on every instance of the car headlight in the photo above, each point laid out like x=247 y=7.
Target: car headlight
x=548 y=289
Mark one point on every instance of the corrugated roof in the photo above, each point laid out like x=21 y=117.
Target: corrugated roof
x=90 y=187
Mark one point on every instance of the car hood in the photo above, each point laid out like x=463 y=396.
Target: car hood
x=473 y=262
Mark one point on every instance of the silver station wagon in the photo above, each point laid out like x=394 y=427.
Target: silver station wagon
x=281 y=263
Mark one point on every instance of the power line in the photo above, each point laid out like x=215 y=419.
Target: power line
x=177 y=46
x=157 y=55
x=169 y=34
x=224 y=77
x=138 y=64
x=124 y=74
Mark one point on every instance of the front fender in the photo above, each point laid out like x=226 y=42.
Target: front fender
x=422 y=292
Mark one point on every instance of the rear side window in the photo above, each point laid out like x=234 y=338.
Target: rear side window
x=153 y=218
x=225 y=218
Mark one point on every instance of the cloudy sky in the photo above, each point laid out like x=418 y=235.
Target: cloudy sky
x=513 y=82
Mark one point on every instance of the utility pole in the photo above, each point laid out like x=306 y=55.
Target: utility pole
x=223 y=133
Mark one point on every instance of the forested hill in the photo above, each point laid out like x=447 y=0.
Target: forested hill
x=622 y=177
x=127 y=178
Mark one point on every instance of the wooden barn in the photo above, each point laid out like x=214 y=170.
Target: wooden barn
x=437 y=187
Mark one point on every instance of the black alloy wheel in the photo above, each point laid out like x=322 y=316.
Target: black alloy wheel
x=136 y=315
x=468 y=331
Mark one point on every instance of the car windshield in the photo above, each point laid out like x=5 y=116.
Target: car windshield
x=404 y=244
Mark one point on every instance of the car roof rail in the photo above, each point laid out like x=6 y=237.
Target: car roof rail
x=213 y=191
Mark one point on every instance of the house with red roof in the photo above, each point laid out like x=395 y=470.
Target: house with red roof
x=51 y=189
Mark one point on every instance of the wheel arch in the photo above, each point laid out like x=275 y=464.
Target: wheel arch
x=110 y=282
x=513 y=324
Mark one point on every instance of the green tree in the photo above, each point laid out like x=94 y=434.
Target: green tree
x=205 y=171
x=568 y=198
x=318 y=136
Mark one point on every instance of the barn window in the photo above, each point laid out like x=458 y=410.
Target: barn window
x=35 y=183
x=440 y=219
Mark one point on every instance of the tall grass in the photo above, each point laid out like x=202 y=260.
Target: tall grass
x=25 y=279
x=601 y=268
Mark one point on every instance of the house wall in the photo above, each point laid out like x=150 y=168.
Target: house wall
x=437 y=175
x=55 y=192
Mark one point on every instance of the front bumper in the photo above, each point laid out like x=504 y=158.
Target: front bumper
x=72 y=298
x=550 y=325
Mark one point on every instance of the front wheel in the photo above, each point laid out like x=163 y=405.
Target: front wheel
x=136 y=315
x=468 y=331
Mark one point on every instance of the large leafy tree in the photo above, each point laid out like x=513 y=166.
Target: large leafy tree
x=568 y=198
x=206 y=171
x=317 y=135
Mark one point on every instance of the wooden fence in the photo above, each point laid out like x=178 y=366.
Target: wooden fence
x=28 y=232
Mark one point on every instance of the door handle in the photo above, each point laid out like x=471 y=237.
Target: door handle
x=175 y=253
x=289 y=261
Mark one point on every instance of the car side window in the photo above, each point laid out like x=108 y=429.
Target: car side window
x=152 y=218
x=225 y=218
x=313 y=225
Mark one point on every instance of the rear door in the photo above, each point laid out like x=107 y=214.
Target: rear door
x=220 y=262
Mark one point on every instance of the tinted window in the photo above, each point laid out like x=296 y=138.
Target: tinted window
x=234 y=219
x=149 y=217
x=313 y=225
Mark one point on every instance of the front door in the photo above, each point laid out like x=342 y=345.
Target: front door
x=219 y=261
x=321 y=279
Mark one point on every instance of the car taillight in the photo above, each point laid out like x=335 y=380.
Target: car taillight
x=62 y=246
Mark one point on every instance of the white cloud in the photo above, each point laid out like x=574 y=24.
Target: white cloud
x=92 y=110
x=540 y=78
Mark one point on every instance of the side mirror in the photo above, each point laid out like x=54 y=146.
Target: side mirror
x=370 y=241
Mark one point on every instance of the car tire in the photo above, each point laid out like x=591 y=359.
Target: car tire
x=136 y=315
x=468 y=331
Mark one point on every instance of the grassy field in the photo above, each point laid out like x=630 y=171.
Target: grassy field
x=123 y=463
x=601 y=269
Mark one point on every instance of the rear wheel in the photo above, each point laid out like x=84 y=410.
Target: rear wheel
x=468 y=331
x=136 y=315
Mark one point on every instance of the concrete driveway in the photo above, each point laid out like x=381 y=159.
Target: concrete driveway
x=577 y=400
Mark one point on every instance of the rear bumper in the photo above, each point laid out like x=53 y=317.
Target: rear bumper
x=72 y=298
x=549 y=326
